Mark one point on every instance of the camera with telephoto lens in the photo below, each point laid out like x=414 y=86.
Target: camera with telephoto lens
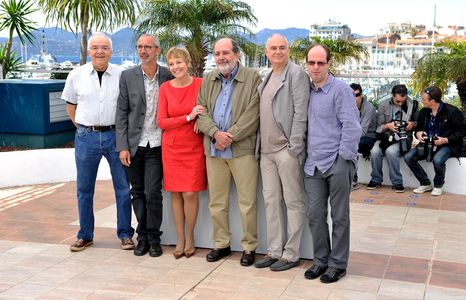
x=403 y=135
x=427 y=149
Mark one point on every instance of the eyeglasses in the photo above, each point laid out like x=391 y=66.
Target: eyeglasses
x=357 y=94
x=318 y=63
x=146 y=47
x=103 y=48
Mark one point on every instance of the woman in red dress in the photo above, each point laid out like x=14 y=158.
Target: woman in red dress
x=183 y=159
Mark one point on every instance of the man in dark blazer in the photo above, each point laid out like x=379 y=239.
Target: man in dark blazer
x=440 y=130
x=138 y=141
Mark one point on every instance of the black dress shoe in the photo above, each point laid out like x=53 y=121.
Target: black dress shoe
x=217 y=254
x=155 y=249
x=247 y=258
x=142 y=248
x=332 y=275
x=314 y=272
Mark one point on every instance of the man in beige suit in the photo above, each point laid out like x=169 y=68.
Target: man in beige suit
x=284 y=98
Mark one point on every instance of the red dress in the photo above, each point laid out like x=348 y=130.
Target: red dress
x=182 y=150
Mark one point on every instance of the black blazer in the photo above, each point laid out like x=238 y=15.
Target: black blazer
x=452 y=126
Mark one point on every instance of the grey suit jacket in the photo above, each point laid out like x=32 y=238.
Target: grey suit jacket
x=131 y=107
x=289 y=107
x=385 y=115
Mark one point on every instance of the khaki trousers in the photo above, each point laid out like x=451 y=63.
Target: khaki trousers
x=283 y=181
x=244 y=171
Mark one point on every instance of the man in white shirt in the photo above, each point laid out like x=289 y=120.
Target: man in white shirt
x=91 y=92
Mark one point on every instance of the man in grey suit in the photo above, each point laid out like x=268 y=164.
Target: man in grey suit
x=138 y=141
x=284 y=98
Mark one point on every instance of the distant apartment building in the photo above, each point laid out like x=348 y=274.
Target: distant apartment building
x=410 y=51
x=391 y=55
x=400 y=46
x=330 y=30
x=399 y=27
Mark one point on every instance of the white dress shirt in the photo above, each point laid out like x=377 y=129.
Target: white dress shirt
x=151 y=134
x=96 y=103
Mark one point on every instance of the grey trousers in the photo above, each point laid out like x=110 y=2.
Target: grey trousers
x=334 y=187
x=282 y=181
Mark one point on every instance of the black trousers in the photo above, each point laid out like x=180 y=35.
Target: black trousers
x=365 y=145
x=145 y=175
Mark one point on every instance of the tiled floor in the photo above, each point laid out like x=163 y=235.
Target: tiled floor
x=403 y=246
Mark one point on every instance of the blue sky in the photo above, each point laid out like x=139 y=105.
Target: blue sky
x=362 y=16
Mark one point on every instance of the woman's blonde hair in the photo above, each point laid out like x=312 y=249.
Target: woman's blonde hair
x=181 y=52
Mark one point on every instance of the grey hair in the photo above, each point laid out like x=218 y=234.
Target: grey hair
x=96 y=34
x=157 y=42
x=276 y=35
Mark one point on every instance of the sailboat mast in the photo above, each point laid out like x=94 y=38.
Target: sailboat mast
x=433 y=29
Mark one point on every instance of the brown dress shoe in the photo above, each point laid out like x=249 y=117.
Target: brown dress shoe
x=127 y=243
x=80 y=245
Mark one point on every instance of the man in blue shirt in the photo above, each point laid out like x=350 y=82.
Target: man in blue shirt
x=332 y=147
x=230 y=122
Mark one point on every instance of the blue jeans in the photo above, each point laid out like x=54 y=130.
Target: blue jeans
x=440 y=157
x=90 y=146
x=392 y=154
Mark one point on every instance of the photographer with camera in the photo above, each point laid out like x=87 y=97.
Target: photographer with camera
x=440 y=130
x=395 y=121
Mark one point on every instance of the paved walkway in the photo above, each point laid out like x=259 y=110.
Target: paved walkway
x=403 y=246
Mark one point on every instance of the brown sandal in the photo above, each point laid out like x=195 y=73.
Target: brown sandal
x=189 y=252
x=178 y=254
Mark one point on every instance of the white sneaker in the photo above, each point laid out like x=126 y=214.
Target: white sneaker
x=437 y=191
x=423 y=189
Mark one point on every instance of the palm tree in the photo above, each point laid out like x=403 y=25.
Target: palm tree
x=196 y=24
x=14 y=17
x=254 y=54
x=89 y=15
x=443 y=68
x=342 y=50
x=13 y=63
x=298 y=50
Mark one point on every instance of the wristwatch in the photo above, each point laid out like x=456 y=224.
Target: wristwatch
x=188 y=118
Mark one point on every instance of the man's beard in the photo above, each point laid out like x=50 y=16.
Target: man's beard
x=226 y=68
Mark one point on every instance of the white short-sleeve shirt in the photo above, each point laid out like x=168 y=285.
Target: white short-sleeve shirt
x=96 y=103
